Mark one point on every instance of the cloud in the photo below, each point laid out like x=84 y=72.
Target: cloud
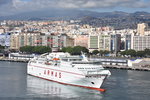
x=16 y=6
x=2 y=2
x=81 y=3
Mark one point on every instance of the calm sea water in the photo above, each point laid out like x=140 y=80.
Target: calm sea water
x=15 y=84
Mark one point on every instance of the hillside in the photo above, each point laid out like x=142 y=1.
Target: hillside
x=117 y=19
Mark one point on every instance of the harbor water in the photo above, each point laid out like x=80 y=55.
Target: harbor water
x=15 y=84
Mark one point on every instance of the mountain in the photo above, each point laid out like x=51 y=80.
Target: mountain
x=50 y=14
x=61 y=13
x=117 y=19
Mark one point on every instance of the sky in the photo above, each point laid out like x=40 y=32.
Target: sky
x=10 y=7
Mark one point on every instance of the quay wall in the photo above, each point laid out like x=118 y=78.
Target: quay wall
x=14 y=60
x=122 y=66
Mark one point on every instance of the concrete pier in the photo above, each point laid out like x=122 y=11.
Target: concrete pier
x=126 y=68
x=14 y=60
x=112 y=66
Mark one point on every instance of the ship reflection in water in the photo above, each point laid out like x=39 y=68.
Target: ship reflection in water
x=37 y=87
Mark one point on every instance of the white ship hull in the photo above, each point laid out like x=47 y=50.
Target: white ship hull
x=65 y=76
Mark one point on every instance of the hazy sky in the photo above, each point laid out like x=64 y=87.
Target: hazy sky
x=8 y=7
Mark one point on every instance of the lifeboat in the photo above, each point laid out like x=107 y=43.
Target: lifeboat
x=56 y=59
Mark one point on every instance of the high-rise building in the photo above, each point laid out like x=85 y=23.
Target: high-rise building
x=56 y=42
x=128 y=41
x=104 y=42
x=81 y=40
x=60 y=41
x=99 y=42
x=30 y=39
x=141 y=28
x=24 y=39
x=115 y=43
x=66 y=41
x=93 y=43
x=14 y=41
x=140 y=43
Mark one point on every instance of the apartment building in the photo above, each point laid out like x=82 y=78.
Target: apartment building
x=14 y=41
x=30 y=39
x=56 y=42
x=115 y=43
x=93 y=43
x=5 y=39
x=141 y=28
x=99 y=42
x=128 y=41
x=59 y=41
x=104 y=42
x=140 y=43
x=81 y=40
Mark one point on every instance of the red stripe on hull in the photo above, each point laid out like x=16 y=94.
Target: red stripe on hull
x=98 y=89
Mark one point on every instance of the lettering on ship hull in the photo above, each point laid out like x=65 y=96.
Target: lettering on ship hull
x=52 y=73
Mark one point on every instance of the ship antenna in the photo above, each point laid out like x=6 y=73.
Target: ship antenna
x=84 y=57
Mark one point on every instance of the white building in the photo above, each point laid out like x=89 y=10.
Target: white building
x=141 y=28
x=99 y=42
x=139 y=43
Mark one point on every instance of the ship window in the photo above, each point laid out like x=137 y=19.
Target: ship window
x=65 y=59
x=92 y=82
x=81 y=68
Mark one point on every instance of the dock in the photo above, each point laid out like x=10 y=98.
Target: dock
x=122 y=67
x=126 y=68
x=14 y=60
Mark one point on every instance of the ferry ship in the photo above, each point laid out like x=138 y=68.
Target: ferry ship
x=69 y=70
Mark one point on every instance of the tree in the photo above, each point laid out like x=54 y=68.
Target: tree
x=63 y=49
x=101 y=52
x=147 y=52
x=106 y=52
x=37 y=49
x=77 y=50
x=41 y=49
x=67 y=49
x=95 y=52
x=27 y=49
x=123 y=53
x=140 y=53
x=2 y=47
x=131 y=52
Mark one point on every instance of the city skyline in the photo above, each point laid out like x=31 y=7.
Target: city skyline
x=11 y=7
